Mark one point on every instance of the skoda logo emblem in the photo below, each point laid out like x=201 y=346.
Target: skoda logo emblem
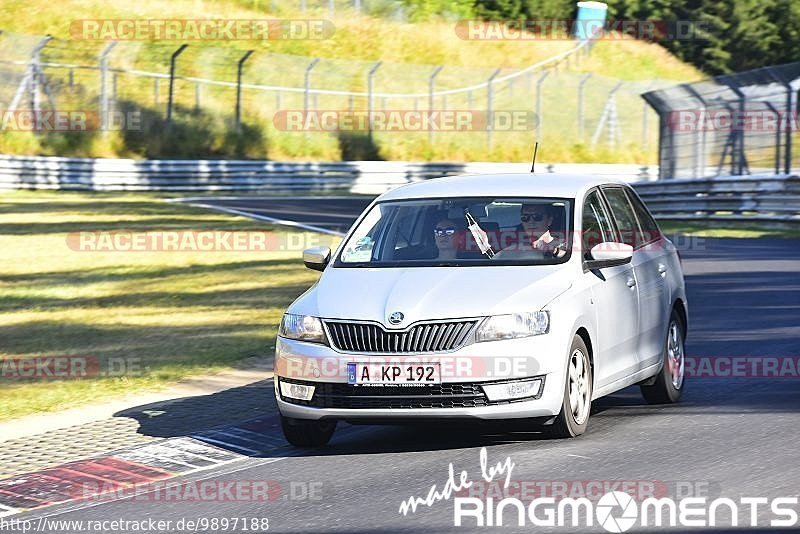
x=396 y=318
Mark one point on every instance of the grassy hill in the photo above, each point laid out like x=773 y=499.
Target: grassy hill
x=203 y=116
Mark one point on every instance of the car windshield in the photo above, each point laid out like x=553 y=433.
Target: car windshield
x=461 y=232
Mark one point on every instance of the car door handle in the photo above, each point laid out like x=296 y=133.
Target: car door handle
x=662 y=269
x=631 y=282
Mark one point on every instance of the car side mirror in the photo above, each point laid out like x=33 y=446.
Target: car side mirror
x=317 y=258
x=609 y=254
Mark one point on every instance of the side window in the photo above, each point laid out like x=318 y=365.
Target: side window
x=648 y=225
x=596 y=225
x=630 y=234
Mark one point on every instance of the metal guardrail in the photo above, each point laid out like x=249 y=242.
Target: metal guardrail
x=755 y=198
x=738 y=199
x=368 y=177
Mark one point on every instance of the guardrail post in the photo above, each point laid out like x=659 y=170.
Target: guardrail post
x=370 y=76
x=239 y=68
x=490 y=108
x=103 y=75
x=539 y=104
x=172 y=61
x=584 y=79
x=431 y=84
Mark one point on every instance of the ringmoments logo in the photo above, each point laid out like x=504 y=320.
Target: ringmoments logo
x=614 y=511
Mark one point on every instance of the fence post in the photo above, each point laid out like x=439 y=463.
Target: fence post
x=38 y=76
x=30 y=81
x=431 y=83
x=738 y=158
x=307 y=84
x=490 y=108
x=777 y=137
x=239 y=68
x=584 y=79
x=788 y=119
x=699 y=153
x=370 y=76
x=539 y=104
x=644 y=116
x=103 y=93
x=172 y=81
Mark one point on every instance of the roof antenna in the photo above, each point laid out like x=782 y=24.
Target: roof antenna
x=535 y=149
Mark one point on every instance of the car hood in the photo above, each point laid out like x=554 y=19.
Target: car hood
x=422 y=293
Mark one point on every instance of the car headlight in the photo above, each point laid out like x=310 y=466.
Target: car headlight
x=302 y=328
x=513 y=326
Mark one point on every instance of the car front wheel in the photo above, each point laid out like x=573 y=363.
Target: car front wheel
x=669 y=382
x=574 y=415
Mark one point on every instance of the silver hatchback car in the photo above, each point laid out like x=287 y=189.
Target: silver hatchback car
x=511 y=296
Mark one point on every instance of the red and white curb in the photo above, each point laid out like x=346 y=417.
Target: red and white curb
x=115 y=473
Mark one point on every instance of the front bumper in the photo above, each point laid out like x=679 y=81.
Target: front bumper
x=462 y=373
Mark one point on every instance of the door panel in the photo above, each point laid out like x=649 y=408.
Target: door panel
x=615 y=300
x=648 y=263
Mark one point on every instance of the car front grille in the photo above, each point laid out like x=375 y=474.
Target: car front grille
x=330 y=395
x=424 y=337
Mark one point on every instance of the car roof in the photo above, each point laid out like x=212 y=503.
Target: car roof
x=507 y=185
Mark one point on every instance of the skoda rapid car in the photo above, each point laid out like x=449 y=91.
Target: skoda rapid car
x=489 y=297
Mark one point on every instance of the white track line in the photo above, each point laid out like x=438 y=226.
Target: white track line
x=86 y=505
x=264 y=218
x=6 y=511
x=307 y=197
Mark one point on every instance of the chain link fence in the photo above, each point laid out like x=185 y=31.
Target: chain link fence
x=738 y=124
x=231 y=99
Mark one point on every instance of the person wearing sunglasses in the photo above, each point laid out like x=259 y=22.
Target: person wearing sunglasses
x=445 y=233
x=536 y=222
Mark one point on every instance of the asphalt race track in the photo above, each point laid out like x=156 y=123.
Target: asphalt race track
x=729 y=437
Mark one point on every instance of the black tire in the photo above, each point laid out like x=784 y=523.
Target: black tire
x=307 y=433
x=670 y=381
x=568 y=424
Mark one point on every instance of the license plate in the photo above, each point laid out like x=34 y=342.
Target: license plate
x=382 y=374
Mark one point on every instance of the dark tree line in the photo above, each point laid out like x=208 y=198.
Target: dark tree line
x=729 y=36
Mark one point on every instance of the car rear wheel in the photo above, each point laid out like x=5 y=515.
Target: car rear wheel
x=307 y=433
x=577 y=404
x=669 y=382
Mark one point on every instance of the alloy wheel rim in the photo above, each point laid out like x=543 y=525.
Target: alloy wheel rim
x=578 y=387
x=675 y=357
